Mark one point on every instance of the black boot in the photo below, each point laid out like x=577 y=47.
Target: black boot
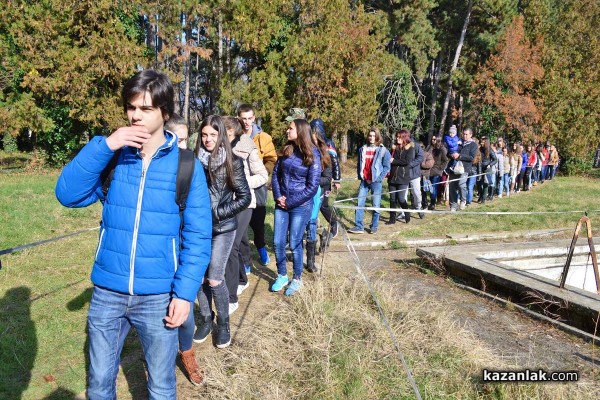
x=204 y=329
x=223 y=333
x=392 y=219
x=406 y=213
x=484 y=195
x=324 y=240
x=310 y=256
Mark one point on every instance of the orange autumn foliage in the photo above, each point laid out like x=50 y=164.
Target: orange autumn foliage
x=507 y=80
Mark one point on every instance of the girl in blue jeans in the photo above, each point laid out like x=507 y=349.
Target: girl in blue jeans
x=295 y=182
x=229 y=195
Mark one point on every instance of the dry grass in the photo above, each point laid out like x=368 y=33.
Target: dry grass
x=329 y=342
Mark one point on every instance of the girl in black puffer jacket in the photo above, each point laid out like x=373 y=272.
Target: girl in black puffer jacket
x=399 y=179
x=229 y=195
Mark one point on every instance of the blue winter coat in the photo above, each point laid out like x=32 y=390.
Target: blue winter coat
x=294 y=180
x=318 y=126
x=139 y=248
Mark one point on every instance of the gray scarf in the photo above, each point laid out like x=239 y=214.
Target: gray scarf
x=204 y=157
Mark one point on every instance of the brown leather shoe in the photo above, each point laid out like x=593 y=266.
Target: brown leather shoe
x=193 y=370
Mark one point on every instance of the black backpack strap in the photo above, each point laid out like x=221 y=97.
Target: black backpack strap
x=107 y=174
x=185 y=172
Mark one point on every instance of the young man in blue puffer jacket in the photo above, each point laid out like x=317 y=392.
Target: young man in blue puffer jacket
x=147 y=271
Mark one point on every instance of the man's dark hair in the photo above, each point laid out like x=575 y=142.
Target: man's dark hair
x=244 y=108
x=174 y=121
x=157 y=84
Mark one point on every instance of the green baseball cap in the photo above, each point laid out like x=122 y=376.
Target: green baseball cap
x=295 y=113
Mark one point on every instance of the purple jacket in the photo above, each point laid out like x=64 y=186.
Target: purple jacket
x=296 y=181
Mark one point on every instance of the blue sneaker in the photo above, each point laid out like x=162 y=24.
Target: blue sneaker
x=294 y=287
x=279 y=283
x=264 y=256
x=248 y=269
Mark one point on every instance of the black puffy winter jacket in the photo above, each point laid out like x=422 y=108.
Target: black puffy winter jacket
x=226 y=203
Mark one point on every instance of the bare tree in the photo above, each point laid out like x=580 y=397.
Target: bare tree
x=436 y=69
x=453 y=68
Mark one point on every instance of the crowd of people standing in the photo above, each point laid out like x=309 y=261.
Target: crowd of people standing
x=175 y=232
x=159 y=252
x=452 y=170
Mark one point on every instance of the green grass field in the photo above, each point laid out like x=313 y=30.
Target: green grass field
x=44 y=290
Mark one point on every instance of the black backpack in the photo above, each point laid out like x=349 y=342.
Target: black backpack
x=185 y=171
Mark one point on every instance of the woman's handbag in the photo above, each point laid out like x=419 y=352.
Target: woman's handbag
x=260 y=194
x=458 y=169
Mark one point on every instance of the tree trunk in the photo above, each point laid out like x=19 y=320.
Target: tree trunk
x=186 y=101
x=460 y=112
x=437 y=71
x=187 y=66
x=220 y=34
x=344 y=148
x=453 y=68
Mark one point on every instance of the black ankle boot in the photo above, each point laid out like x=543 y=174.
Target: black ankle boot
x=392 y=219
x=406 y=214
x=204 y=329
x=310 y=256
x=223 y=333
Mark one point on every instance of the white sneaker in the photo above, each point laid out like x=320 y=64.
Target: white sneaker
x=233 y=307
x=463 y=205
x=241 y=288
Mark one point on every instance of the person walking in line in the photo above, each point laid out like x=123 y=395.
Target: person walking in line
x=440 y=161
x=552 y=162
x=399 y=180
x=256 y=175
x=488 y=162
x=295 y=182
x=515 y=167
x=268 y=156
x=177 y=125
x=318 y=127
x=458 y=181
x=426 y=166
x=229 y=195
x=324 y=185
x=531 y=163
x=505 y=187
x=151 y=255
x=373 y=166
x=521 y=183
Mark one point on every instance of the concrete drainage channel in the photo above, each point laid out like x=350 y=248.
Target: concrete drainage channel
x=528 y=275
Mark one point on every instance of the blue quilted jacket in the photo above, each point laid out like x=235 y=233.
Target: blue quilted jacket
x=294 y=180
x=140 y=249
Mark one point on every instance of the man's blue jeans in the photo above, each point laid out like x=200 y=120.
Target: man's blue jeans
x=505 y=184
x=470 y=188
x=435 y=187
x=110 y=317
x=294 y=221
x=363 y=190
